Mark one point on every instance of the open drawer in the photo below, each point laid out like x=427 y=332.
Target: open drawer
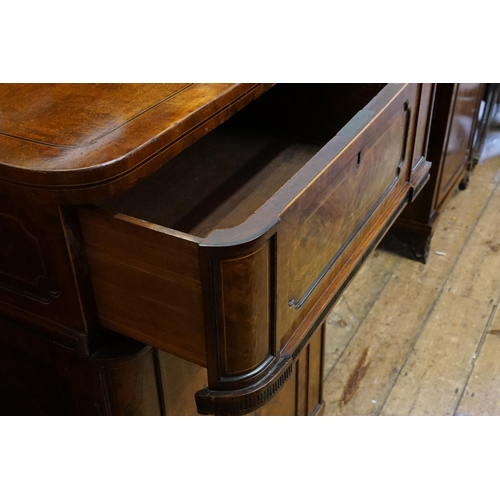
x=233 y=252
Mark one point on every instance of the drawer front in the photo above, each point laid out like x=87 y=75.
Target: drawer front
x=336 y=212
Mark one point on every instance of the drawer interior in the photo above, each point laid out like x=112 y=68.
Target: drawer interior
x=227 y=175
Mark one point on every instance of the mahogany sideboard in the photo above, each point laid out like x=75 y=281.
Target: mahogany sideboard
x=173 y=249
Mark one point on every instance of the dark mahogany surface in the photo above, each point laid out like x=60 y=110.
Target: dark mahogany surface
x=77 y=142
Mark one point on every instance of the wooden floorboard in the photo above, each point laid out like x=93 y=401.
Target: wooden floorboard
x=352 y=308
x=442 y=358
x=408 y=338
x=481 y=395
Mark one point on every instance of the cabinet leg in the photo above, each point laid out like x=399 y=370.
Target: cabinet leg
x=421 y=247
x=414 y=246
x=464 y=182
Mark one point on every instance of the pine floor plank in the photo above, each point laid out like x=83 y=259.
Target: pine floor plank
x=482 y=393
x=362 y=376
x=439 y=365
x=477 y=274
x=435 y=374
x=353 y=306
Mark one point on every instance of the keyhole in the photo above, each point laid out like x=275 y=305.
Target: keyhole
x=359 y=160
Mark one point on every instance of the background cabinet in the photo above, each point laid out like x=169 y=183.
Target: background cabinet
x=453 y=125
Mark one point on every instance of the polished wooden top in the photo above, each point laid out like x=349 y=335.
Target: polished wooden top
x=75 y=143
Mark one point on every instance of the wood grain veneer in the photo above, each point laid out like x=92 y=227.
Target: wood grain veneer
x=75 y=143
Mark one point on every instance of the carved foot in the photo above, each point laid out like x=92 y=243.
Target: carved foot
x=420 y=248
x=410 y=245
x=464 y=182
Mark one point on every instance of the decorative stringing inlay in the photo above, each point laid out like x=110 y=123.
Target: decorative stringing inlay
x=40 y=120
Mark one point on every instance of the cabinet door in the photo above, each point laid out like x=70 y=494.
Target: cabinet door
x=465 y=102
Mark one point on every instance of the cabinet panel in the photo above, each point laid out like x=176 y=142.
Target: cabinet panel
x=463 y=117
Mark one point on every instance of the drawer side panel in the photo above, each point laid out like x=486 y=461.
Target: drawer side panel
x=146 y=283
